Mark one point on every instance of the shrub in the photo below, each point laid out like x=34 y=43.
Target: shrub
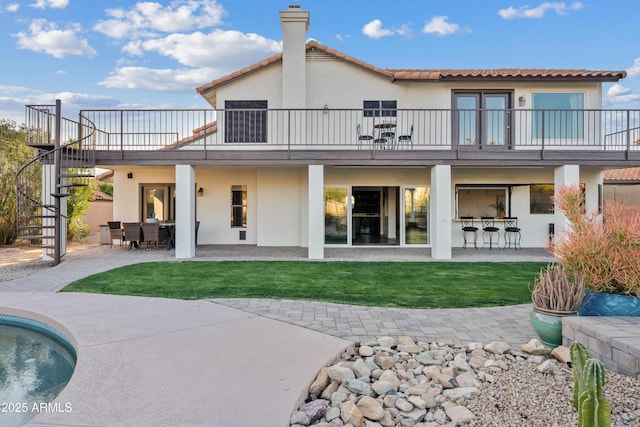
x=604 y=251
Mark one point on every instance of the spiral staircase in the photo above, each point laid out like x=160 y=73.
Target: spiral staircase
x=65 y=160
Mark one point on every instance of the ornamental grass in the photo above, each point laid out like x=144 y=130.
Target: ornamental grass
x=602 y=247
x=556 y=290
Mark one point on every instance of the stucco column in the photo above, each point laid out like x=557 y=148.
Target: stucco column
x=564 y=175
x=185 y=211
x=316 y=212
x=441 y=212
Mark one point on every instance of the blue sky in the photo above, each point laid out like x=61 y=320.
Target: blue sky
x=153 y=54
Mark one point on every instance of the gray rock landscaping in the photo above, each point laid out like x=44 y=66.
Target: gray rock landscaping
x=402 y=383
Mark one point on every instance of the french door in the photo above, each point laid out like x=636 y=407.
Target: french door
x=482 y=119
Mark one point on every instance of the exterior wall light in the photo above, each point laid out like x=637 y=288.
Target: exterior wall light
x=200 y=191
x=130 y=175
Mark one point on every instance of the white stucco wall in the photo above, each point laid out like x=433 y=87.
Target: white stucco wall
x=126 y=191
x=213 y=209
x=279 y=200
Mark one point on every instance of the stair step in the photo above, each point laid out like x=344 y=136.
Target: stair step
x=77 y=175
x=73 y=184
x=36 y=237
x=60 y=195
x=43 y=246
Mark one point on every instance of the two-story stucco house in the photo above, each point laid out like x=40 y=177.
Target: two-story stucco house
x=315 y=148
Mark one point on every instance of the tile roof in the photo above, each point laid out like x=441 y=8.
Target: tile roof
x=501 y=74
x=99 y=196
x=622 y=175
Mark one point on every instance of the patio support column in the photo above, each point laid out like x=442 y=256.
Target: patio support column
x=316 y=212
x=563 y=175
x=440 y=210
x=185 y=240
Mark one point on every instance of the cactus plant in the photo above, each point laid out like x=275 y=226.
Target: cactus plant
x=579 y=355
x=589 y=378
x=593 y=408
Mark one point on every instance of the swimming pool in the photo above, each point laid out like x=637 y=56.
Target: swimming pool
x=36 y=363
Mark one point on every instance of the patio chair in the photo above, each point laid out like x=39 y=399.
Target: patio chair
x=115 y=230
x=151 y=233
x=512 y=232
x=406 y=140
x=489 y=229
x=362 y=138
x=469 y=227
x=132 y=234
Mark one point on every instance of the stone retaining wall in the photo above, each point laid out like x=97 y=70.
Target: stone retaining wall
x=614 y=340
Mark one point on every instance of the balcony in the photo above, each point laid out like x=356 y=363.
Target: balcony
x=355 y=136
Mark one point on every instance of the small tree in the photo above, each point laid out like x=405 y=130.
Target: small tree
x=604 y=252
x=13 y=155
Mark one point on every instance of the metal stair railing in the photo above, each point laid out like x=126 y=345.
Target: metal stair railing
x=65 y=160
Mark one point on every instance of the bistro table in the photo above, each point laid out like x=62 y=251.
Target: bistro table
x=386 y=134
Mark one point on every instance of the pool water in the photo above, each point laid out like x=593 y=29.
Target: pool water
x=36 y=363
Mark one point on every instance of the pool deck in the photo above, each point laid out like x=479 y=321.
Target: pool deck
x=163 y=362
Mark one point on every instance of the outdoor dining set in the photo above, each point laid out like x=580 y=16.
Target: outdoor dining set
x=153 y=233
x=384 y=137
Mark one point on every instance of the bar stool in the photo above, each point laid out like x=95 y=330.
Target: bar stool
x=512 y=232
x=468 y=227
x=489 y=229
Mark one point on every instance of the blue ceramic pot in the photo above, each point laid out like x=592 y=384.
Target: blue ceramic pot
x=605 y=304
x=548 y=325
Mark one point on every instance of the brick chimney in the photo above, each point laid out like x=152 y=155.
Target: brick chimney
x=295 y=24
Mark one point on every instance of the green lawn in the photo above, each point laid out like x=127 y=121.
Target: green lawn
x=383 y=284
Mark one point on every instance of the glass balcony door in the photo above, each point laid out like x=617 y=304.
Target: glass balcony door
x=482 y=119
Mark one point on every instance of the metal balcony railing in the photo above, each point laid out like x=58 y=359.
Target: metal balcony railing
x=335 y=129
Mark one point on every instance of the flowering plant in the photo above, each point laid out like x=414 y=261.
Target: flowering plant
x=604 y=250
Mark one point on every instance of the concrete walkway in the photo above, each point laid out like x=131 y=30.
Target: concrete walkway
x=222 y=362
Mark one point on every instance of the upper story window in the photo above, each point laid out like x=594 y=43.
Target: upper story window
x=380 y=108
x=248 y=124
x=562 y=118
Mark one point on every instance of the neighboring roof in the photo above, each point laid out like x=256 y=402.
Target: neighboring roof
x=104 y=176
x=435 y=75
x=626 y=175
x=99 y=196
x=198 y=133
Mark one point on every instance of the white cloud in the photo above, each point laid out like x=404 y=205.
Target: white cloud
x=54 y=4
x=60 y=43
x=634 y=71
x=165 y=80
x=231 y=48
x=12 y=7
x=539 y=11
x=374 y=30
x=440 y=26
x=617 y=90
x=405 y=30
x=145 y=19
x=12 y=105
